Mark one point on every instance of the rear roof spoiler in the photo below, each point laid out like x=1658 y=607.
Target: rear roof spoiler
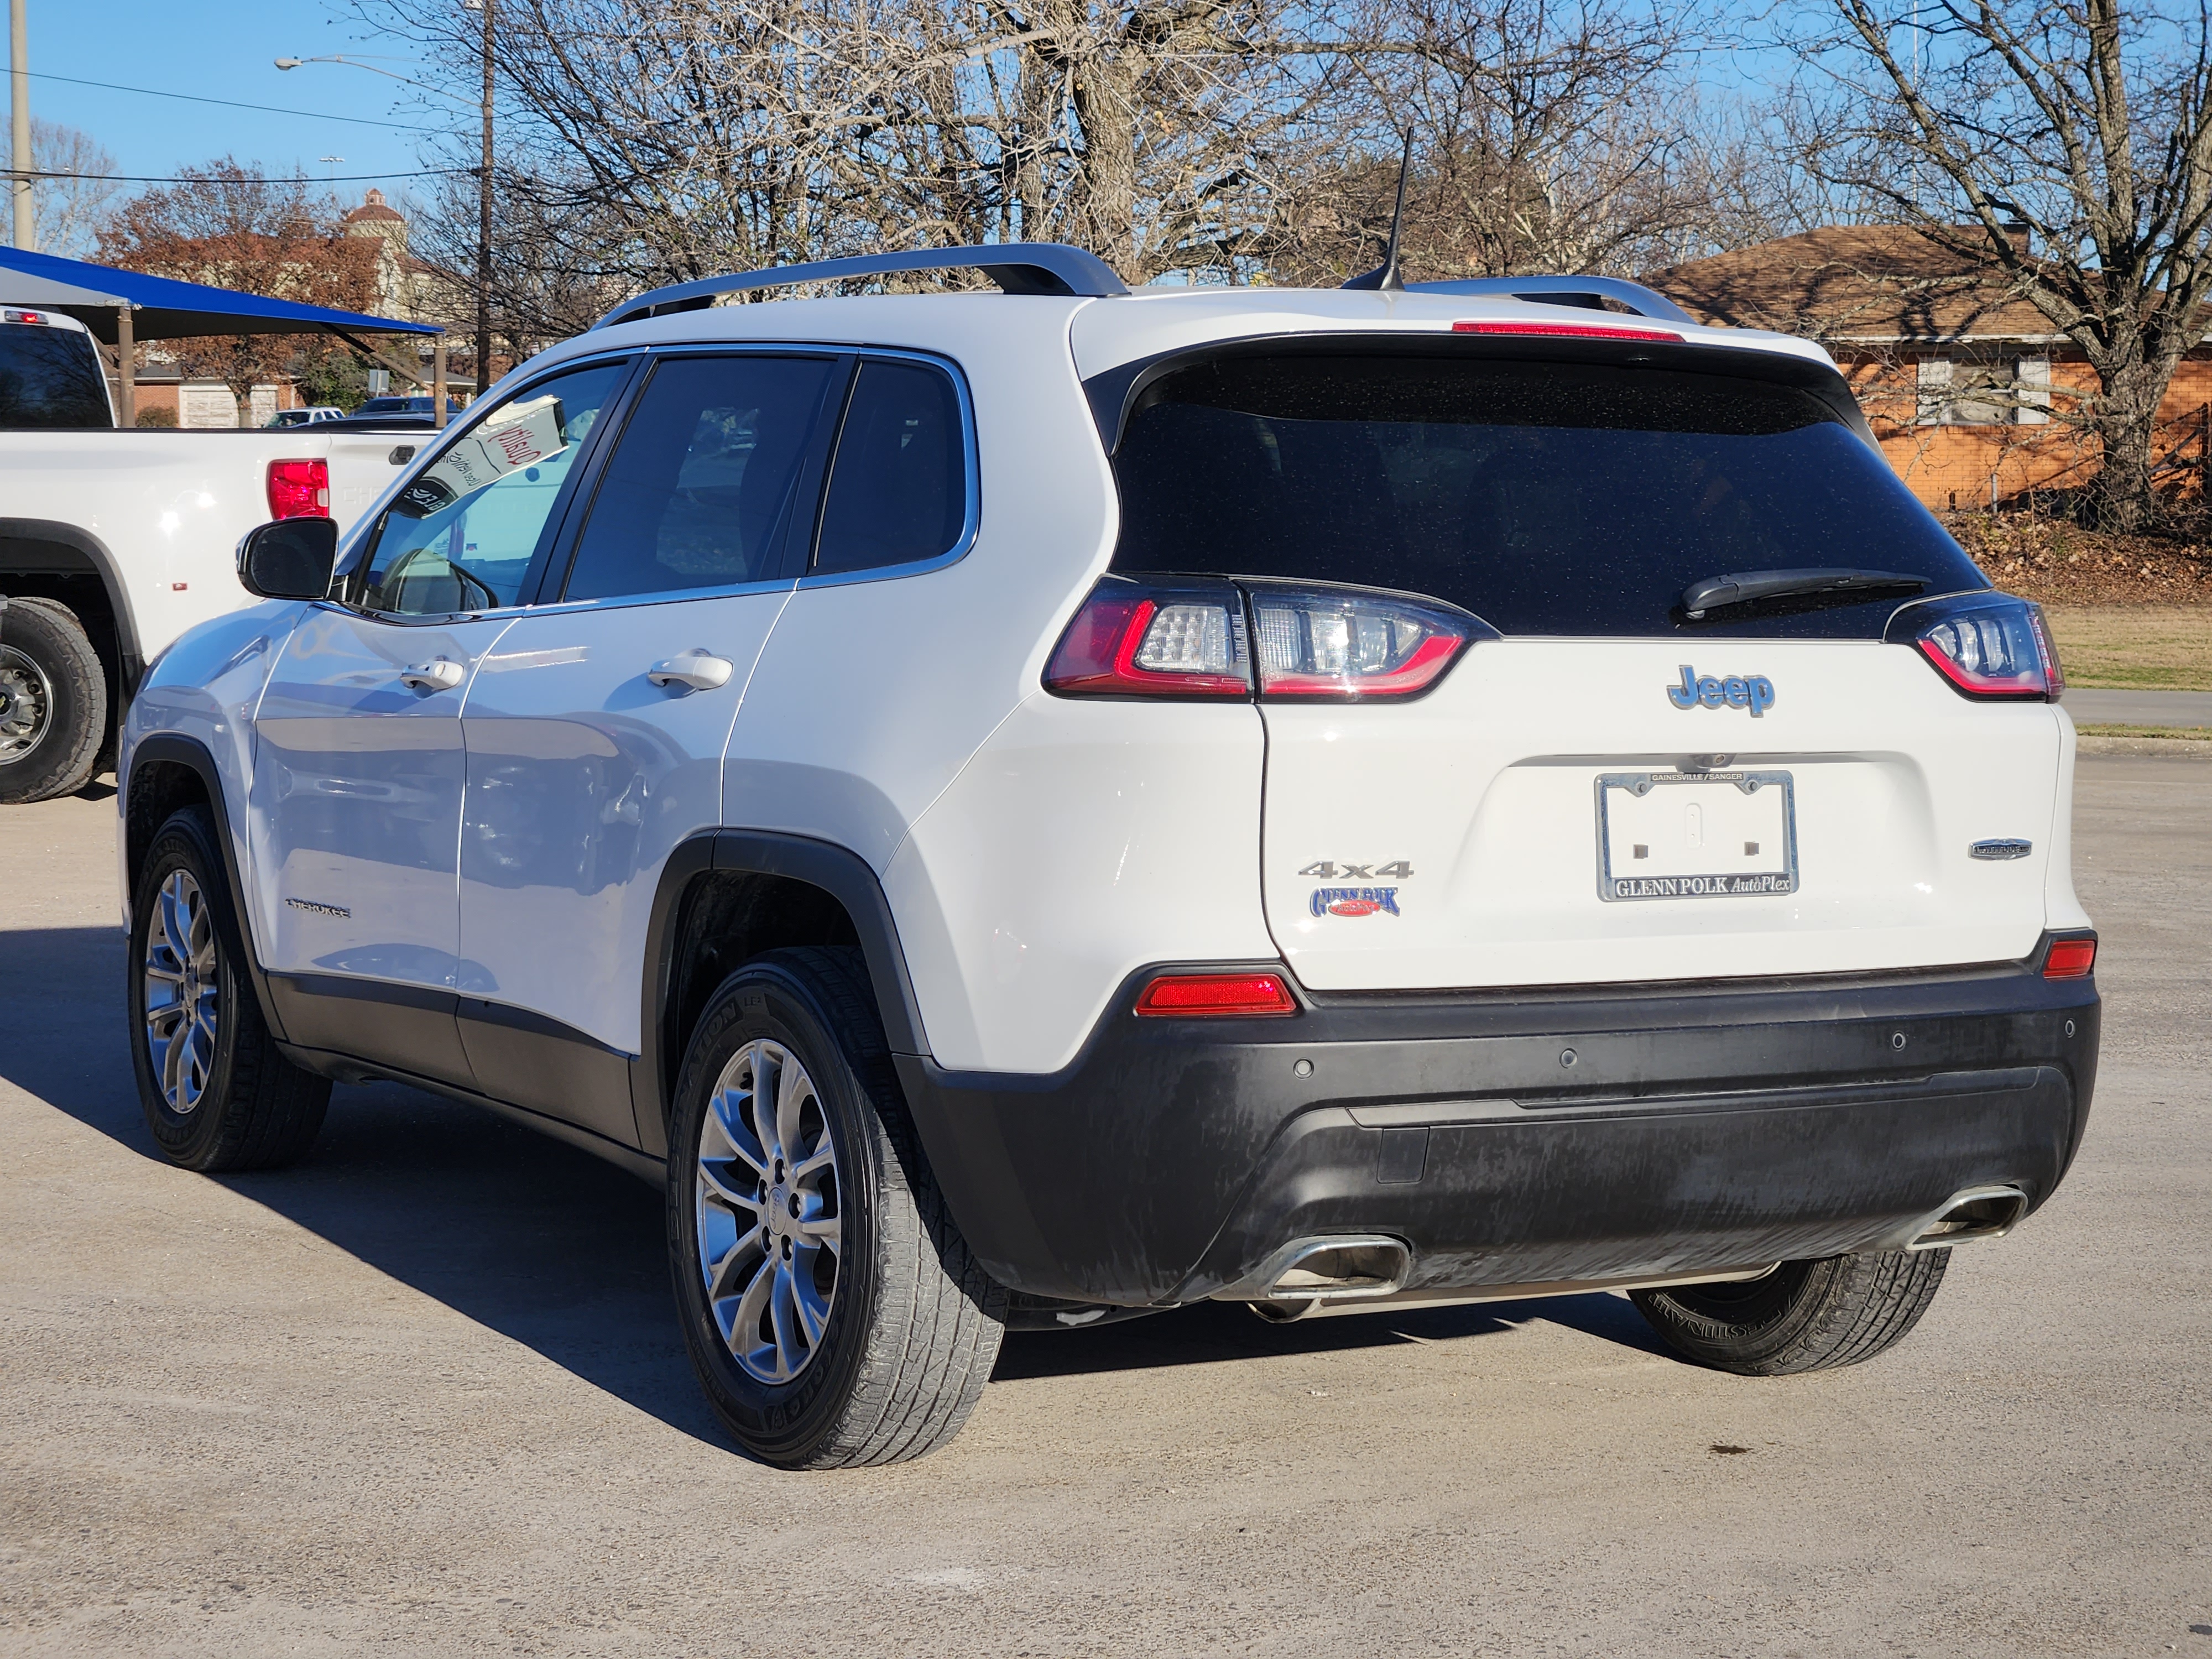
x=1049 y=268
x=1584 y=293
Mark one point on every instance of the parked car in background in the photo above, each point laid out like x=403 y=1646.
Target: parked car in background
x=376 y=407
x=307 y=417
x=1028 y=810
x=113 y=543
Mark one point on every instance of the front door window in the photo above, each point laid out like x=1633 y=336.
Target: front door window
x=464 y=534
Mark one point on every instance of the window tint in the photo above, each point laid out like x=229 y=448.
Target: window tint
x=1546 y=498
x=899 y=488
x=462 y=534
x=699 y=488
x=49 y=377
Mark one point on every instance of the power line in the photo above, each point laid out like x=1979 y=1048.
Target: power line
x=202 y=179
x=231 y=103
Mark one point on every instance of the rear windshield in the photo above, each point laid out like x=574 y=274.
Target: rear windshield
x=1548 y=498
x=50 y=377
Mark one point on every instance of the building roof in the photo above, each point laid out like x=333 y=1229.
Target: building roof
x=374 y=210
x=1871 y=284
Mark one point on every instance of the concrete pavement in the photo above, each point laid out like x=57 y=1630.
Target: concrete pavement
x=424 y=1395
x=2139 y=708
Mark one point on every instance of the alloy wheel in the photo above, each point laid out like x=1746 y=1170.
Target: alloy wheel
x=769 y=1227
x=183 y=1006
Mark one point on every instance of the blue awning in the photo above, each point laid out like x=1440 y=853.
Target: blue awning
x=164 y=309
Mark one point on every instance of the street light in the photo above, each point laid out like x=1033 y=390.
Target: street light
x=484 y=183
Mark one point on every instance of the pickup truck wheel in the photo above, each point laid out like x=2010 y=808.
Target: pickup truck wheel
x=216 y=1093
x=830 y=1306
x=53 y=703
x=1804 y=1316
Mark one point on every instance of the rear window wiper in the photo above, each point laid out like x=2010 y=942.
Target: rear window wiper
x=1745 y=586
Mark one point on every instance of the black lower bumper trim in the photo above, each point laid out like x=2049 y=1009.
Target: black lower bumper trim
x=1720 y=1127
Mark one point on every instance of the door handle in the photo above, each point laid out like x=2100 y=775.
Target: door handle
x=439 y=674
x=698 y=670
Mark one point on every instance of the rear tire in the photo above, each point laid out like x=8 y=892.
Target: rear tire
x=832 y=1310
x=216 y=1092
x=53 y=703
x=1804 y=1316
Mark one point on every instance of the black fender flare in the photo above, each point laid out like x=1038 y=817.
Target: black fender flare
x=102 y=564
x=838 y=870
x=174 y=749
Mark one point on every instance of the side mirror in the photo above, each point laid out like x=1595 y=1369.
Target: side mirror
x=290 y=559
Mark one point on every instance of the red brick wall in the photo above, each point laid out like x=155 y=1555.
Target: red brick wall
x=1948 y=465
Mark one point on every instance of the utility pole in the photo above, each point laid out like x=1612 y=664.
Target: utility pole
x=483 y=213
x=19 y=98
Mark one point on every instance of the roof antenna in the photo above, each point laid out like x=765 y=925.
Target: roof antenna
x=1385 y=276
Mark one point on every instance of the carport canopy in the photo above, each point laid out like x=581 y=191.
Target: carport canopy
x=163 y=308
x=122 y=307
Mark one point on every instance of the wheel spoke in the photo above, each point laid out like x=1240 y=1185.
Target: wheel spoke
x=743 y=1200
x=823 y=1157
x=793 y=1089
x=783 y=1319
x=824 y=1231
x=767 y=1068
x=813 y=1309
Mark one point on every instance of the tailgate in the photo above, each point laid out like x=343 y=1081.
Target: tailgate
x=1548 y=815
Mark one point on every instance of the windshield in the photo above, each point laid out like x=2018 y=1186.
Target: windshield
x=1548 y=498
x=50 y=378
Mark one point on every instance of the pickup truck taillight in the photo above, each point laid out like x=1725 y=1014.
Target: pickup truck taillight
x=299 y=490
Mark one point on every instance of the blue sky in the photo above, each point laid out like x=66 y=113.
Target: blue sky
x=226 y=50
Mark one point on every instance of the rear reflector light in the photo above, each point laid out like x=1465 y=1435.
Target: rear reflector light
x=1132 y=642
x=299 y=490
x=1987 y=645
x=1215 y=996
x=2070 y=959
x=1569 y=330
x=1133 y=639
x=1329 y=643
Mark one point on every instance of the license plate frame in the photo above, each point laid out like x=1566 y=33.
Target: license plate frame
x=1772 y=879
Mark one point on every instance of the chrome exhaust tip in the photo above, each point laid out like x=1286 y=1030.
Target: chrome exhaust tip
x=1302 y=1274
x=1967 y=1217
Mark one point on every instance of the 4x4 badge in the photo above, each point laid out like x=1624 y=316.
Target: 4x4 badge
x=1752 y=691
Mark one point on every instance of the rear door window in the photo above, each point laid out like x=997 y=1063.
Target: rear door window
x=1547 y=498
x=50 y=379
x=708 y=475
x=898 y=492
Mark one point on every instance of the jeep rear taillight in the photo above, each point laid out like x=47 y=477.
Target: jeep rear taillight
x=1314 y=643
x=1987 y=645
x=1346 y=645
x=1132 y=641
x=299 y=490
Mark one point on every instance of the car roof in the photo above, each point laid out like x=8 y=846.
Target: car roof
x=1103 y=333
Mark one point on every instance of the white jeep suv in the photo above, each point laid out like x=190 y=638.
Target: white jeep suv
x=1032 y=808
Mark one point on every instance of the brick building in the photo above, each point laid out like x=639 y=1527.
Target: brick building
x=1964 y=382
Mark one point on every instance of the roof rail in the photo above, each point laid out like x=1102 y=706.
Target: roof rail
x=1051 y=268
x=1588 y=293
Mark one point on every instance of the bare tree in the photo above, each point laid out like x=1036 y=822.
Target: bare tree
x=2086 y=123
x=78 y=191
x=232 y=225
x=655 y=140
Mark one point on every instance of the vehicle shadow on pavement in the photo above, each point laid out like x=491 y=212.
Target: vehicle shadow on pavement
x=1215 y=1332
x=555 y=1250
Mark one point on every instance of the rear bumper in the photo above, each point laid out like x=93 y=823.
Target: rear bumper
x=1693 y=1129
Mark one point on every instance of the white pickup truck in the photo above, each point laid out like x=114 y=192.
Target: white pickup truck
x=113 y=543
